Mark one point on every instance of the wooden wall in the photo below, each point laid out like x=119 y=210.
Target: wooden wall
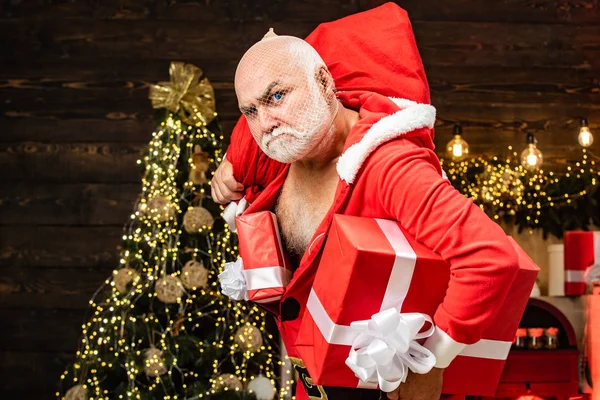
x=74 y=115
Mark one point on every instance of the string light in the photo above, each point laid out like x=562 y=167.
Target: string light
x=531 y=157
x=457 y=148
x=585 y=137
x=504 y=188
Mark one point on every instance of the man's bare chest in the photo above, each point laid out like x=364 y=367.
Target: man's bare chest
x=302 y=205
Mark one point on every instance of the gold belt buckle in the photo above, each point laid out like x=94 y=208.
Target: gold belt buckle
x=315 y=392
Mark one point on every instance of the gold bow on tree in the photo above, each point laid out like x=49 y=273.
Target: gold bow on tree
x=186 y=94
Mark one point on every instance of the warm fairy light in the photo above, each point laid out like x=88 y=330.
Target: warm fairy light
x=504 y=188
x=585 y=137
x=154 y=245
x=531 y=157
x=457 y=148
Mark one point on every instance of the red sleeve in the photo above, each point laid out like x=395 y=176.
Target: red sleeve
x=251 y=166
x=482 y=261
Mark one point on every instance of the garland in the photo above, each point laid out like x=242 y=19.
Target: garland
x=554 y=202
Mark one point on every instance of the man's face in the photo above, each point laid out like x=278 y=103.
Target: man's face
x=286 y=108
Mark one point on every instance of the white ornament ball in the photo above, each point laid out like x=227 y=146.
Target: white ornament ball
x=262 y=387
x=227 y=382
x=197 y=218
x=77 y=392
x=123 y=277
x=154 y=363
x=168 y=289
x=160 y=208
x=249 y=338
x=194 y=275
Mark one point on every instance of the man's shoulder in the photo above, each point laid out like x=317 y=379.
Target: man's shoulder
x=398 y=154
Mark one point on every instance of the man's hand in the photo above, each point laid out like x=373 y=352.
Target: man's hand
x=223 y=187
x=420 y=386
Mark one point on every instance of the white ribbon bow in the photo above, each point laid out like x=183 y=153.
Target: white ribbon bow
x=233 y=282
x=234 y=210
x=386 y=348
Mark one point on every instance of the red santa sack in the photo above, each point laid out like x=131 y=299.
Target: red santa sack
x=370 y=267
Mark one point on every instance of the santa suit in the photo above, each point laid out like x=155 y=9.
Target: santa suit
x=388 y=169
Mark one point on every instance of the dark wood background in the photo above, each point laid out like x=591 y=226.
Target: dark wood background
x=74 y=114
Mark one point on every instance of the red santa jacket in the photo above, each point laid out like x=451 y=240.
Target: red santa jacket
x=389 y=170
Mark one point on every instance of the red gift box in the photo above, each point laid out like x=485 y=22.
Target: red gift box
x=582 y=251
x=378 y=267
x=266 y=268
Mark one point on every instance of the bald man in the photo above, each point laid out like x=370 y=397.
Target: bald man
x=288 y=98
x=361 y=153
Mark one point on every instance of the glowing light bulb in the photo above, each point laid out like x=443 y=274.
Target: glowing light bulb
x=531 y=157
x=457 y=148
x=585 y=137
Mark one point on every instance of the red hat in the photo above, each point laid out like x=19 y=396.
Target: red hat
x=372 y=51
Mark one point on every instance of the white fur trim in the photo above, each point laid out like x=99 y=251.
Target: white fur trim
x=443 y=347
x=411 y=116
x=234 y=210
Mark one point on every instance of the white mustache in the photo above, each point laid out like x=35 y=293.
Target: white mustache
x=266 y=139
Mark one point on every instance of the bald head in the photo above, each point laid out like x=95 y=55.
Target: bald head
x=287 y=95
x=279 y=54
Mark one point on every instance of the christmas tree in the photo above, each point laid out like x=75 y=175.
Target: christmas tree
x=160 y=328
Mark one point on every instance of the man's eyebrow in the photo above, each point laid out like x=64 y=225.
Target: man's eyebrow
x=262 y=98
x=268 y=91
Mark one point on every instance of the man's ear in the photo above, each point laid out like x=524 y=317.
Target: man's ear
x=325 y=81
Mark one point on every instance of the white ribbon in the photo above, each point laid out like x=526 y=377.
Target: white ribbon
x=267 y=277
x=233 y=282
x=234 y=210
x=386 y=348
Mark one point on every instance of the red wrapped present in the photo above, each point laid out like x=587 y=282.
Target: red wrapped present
x=582 y=251
x=266 y=268
x=387 y=286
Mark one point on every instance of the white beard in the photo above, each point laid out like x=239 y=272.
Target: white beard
x=315 y=127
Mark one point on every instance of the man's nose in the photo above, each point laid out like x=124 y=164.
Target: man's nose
x=265 y=120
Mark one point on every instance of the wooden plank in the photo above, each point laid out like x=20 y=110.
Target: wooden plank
x=548 y=119
x=548 y=11
x=70 y=162
x=120 y=111
x=440 y=43
x=194 y=10
x=67 y=204
x=55 y=130
x=95 y=68
x=30 y=375
x=523 y=11
x=35 y=92
x=26 y=96
x=514 y=45
x=59 y=246
x=50 y=288
x=61 y=330
x=22 y=129
x=523 y=78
